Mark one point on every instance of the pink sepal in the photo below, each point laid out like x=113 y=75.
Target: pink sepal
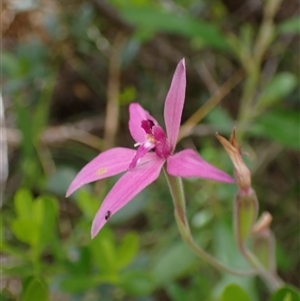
x=107 y=164
x=188 y=163
x=174 y=104
x=127 y=187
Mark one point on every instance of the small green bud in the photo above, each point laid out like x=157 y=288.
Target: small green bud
x=245 y=214
x=264 y=242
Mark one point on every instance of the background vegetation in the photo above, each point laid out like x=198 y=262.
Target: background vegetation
x=69 y=71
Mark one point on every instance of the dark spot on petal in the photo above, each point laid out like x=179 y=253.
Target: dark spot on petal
x=151 y=123
x=107 y=215
x=147 y=125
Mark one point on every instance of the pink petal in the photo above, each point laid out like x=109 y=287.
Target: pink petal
x=137 y=115
x=128 y=186
x=188 y=163
x=108 y=163
x=174 y=104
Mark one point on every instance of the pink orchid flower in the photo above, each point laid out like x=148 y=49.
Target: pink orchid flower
x=142 y=167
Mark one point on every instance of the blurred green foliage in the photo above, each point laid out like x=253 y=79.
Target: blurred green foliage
x=57 y=66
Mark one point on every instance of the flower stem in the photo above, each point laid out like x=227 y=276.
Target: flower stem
x=176 y=190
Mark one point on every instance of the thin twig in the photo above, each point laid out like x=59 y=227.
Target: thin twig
x=113 y=91
x=207 y=78
x=55 y=135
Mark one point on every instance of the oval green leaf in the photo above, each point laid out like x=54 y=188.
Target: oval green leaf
x=280 y=126
x=286 y=293
x=281 y=85
x=234 y=292
x=23 y=203
x=137 y=283
x=157 y=20
x=26 y=231
x=127 y=250
x=35 y=290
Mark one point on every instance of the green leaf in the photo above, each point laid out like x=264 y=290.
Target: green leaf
x=128 y=249
x=220 y=119
x=26 y=230
x=176 y=261
x=155 y=20
x=83 y=265
x=103 y=249
x=284 y=261
x=36 y=220
x=288 y=297
x=23 y=203
x=234 y=292
x=13 y=250
x=281 y=85
x=291 y=25
x=286 y=293
x=45 y=209
x=128 y=95
x=35 y=290
x=31 y=168
x=280 y=126
x=42 y=108
x=10 y=65
x=78 y=283
x=137 y=283
x=227 y=252
x=24 y=121
x=176 y=293
x=225 y=247
x=87 y=203
x=22 y=270
x=202 y=218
